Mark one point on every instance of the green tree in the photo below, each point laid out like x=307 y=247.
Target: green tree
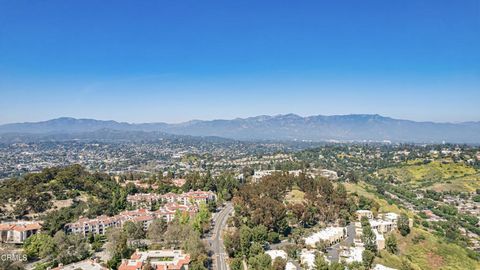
x=403 y=224
x=279 y=263
x=39 y=245
x=260 y=262
x=367 y=258
x=245 y=239
x=391 y=244
x=369 y=239
x=236 y=264
x=255 y=249
x=320 y=263
x=201 y=221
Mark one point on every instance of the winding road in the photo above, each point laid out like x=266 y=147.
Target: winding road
x=216 y=241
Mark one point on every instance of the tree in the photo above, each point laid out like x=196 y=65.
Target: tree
x=133 y=230
x=320 y=263
x=336 y=266
x=117 y=241
x=201 y=221
x=369 y=239
x=39 y=246
x=279 y=263
x=260 y=262
x=156 y=229
x=232 y=243
x=255 y=249
x=70 y=248
x=236 y=264
x=391 y=244
x=245 y=239
x=403 y=224
x=321 y=246
x=367 y=258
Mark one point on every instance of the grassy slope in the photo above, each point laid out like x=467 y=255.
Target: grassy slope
x=439 y=176
x=361 y=189
x=429 y=254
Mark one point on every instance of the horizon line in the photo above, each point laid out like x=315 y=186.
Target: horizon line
x=240 y=118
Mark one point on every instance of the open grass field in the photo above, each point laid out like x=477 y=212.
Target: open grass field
x=433 y=171
x=429 y=254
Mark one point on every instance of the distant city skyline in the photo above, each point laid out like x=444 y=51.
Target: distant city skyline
x=158 y=61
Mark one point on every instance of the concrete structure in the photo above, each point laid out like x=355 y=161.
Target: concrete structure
x=257 y=175
x=364 y=213
x=380 y=240
x=100 y=224
x=352 y=254
x=158 y=259
x=330 y=235
x=276 y=253
x=329 y=174
x=282 y=254
x=18 y=232
x=307 y=259
x=383 y=226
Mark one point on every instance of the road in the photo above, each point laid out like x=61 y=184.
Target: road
x=333 y=251
x=216 y=241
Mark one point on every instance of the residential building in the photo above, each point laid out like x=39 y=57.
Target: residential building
x=18 y=232
x=158 y=259
x=330 y=235
x=352 y=254
x=100 y=224
x=364 y=213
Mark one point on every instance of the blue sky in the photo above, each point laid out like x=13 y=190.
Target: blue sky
x=147 y=61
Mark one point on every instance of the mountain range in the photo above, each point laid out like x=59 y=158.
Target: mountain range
x=287 y=127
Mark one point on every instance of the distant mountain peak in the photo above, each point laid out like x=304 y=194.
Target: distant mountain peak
x=352 y=127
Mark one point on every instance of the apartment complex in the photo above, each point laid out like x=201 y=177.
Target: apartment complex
x=158 y=259
x=146 y=200
x=100 y=224
x=18 y=232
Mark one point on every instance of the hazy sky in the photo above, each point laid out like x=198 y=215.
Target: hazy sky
x=147 y=61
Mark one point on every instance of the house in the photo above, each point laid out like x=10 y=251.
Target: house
x=18 y=232
x=364 y=213
x=158 y=259
x=383 y=226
